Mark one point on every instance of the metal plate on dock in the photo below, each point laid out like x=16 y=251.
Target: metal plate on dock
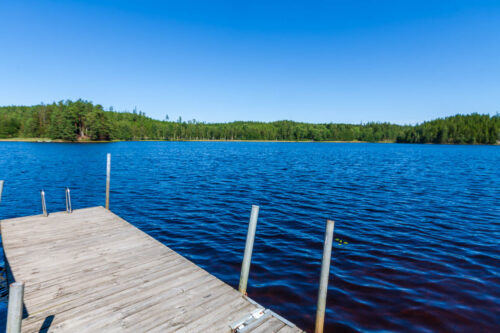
x=91 y=271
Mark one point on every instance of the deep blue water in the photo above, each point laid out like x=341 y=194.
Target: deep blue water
x=422 y=222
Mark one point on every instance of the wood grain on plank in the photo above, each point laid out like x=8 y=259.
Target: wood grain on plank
x=91 y=271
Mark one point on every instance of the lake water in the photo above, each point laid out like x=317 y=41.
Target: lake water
x=422 y=222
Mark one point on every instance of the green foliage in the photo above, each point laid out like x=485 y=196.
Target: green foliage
x=9 y=126
x=459 y=129
x=82 y=120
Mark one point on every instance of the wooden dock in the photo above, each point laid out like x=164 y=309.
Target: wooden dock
x=91 y=271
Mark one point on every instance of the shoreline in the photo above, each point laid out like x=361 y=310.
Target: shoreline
x=47 y=140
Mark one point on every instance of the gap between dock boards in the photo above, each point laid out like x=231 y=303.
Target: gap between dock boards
x=92 y=271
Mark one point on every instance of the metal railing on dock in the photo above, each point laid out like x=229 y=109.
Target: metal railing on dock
x=254 y=316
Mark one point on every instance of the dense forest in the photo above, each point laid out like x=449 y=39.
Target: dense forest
x=85 y=121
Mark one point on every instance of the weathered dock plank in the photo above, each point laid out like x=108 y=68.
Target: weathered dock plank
x=91 y=271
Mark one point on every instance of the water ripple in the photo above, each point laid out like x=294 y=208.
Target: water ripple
x=421 y=222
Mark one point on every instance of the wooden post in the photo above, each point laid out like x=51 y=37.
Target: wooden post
x=108 y=177
x=325 y=272
x=69 y=210
x=247 y=257
x=1 y=189
x=15 y=310
x=44 y=206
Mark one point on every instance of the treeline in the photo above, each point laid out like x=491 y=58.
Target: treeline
x=83 y=120
x=469 y=129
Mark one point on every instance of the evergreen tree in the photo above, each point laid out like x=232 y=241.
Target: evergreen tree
x=82 y=120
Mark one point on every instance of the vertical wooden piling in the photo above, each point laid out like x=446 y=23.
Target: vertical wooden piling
x=1 y=189
x=15 y=309
x=108 y=178
x=68 y=201
x=44 y=206
x=325 y=272
x=247 y=257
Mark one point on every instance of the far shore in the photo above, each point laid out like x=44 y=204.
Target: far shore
x=47 y=140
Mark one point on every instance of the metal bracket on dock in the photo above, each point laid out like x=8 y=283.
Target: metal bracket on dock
x=249 y=321
x=255 y=317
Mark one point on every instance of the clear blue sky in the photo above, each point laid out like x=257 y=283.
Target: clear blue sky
x=314 y=61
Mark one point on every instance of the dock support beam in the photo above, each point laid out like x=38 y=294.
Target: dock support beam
x=1 y=189
x=247 y=257
x=15 y=310
x=44 y=206
x=108 y=178
x=325 y=272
